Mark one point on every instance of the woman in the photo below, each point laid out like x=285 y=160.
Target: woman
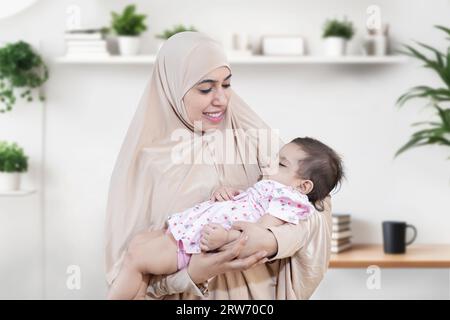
x=189 y=93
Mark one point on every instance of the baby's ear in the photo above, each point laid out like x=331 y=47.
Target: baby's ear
x=307 y=186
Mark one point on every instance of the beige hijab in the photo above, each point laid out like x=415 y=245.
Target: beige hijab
x=148 y=183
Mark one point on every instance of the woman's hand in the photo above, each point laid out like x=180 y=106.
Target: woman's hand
x=205 y=265
x=259 y=239
x=224 y=194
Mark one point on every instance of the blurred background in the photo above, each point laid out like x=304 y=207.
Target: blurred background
x=52 y=224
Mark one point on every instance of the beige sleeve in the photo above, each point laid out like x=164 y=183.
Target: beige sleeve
x=291 y=238
x=178 y=282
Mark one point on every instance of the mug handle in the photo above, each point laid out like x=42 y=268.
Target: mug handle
x=414 y=236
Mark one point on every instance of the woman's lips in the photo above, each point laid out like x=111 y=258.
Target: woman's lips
x=214 y=116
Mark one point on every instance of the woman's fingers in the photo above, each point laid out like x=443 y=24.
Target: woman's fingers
x=247 y=263
x=219 y=197
x=224 y=195
x=262 y=261
x=231 y=250
x=230 y=194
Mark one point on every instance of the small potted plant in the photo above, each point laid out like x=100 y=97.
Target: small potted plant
x=21 y=68
x=13 y=161
x=336 y=34
x=166 y=34
x=128 y=26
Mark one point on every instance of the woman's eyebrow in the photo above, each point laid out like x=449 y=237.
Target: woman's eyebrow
x=213 y=81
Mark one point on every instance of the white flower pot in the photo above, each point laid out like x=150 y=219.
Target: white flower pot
x=129 y=45
x=9 y=181
x=335 y=46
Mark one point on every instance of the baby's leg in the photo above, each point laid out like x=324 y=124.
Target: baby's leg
x=151 y=252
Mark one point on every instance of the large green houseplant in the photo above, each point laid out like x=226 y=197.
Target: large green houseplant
x=20 y=68
x=434 y=131
x=13 y=161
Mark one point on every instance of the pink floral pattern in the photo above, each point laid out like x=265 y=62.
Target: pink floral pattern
x=265 y=196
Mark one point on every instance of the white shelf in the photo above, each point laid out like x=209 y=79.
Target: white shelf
x=244 y=60
x=18 y=193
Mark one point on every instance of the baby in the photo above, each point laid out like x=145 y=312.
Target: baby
x=308 y=171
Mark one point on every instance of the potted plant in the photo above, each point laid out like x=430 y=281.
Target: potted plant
x=436 y=131
x=128 y=26
x=13 y=161
x=336 y=34
x=20 y=67
x=166 y=34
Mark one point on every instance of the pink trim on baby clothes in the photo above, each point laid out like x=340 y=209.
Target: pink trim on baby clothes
x=183 y=258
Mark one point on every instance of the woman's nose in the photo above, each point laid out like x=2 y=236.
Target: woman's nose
x=220 y=98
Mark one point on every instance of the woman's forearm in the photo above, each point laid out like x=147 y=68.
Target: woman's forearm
x=259 y=239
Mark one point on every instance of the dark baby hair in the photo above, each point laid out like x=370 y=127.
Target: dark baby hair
x=323 y=166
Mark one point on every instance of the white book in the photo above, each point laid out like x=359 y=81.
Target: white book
x=341 y=235
x=86 y=43
x=340 y=227
x=83 y=36
x=86 y=49
x=86 y=55
x=340 y=241
x=341 y=248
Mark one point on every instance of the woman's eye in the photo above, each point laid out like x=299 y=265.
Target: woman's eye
x=226 y=85
x=282 y=165
x=205 y=90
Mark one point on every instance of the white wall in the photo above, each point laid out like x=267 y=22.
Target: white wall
x=349 y=107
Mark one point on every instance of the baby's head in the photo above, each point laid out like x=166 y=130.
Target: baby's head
x=311 y=167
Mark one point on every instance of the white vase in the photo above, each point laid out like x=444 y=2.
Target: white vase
x=129 y=45
x=375 y=45
x=9 y=181
x=335 y=46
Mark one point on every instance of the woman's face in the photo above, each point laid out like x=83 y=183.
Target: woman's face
x=207 y=101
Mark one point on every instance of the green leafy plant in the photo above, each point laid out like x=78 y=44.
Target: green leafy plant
x=176 y=29
x=129 y=23
x=20 y=67
x=12 y=158
x=436 y=132
x=338 y=28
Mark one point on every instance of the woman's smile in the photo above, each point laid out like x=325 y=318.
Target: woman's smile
x=214 y=117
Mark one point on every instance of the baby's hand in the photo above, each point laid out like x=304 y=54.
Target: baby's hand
x=213 y=236
x=224 y=194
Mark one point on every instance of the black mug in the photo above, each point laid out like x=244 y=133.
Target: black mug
x=394 y=236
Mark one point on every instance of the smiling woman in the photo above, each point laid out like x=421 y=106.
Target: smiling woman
x=206 y=103
x=10 y=8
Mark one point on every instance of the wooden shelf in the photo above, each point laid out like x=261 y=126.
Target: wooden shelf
x=243 y=60
x=18 y=193
x=416 y=256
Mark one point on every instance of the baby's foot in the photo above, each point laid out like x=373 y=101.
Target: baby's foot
x=213 y=237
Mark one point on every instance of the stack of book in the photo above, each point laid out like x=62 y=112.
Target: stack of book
x=85 y=43
x=341 y=233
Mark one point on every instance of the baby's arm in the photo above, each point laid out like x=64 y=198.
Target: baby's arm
x=214 y=235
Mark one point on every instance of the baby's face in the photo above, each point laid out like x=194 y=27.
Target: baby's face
x=289 y=156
